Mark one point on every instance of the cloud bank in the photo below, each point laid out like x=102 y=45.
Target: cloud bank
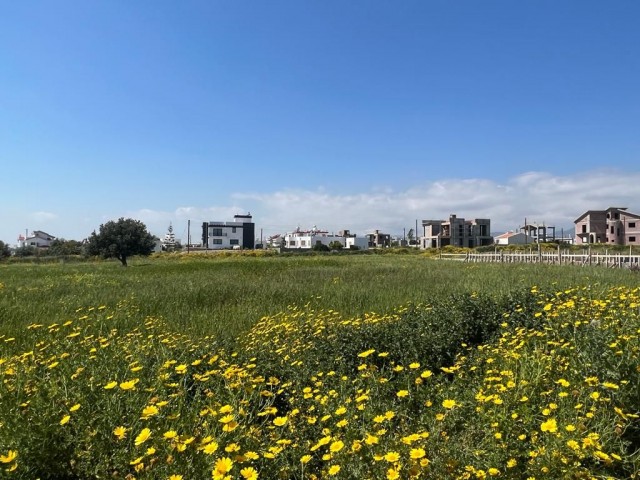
x=538 y=197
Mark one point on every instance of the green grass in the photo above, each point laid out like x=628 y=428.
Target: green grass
x=224 y=296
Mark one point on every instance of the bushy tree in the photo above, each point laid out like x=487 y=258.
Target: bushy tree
x=121 y=239
x=60 y=246
x=26 y=251
x=336 y=245
x=5 y=251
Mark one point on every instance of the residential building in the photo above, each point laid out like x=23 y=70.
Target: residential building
x=513 y=238
x=229 y=235
x=457 y=232
x=377 y=239
x=38 y=239
x=613 y=226
x=307 y=239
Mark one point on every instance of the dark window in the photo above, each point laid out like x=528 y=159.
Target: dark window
x=234 y=241
x=632 y=224
x=233 y=229
x=617 y=216
x=217 y=241
x=632 y=239
x=612 y=231
x=216 y=232
x=584 y=229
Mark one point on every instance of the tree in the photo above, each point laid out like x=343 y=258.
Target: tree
x=121 y=240
x=5 y=251
x=26 y=251
x=336 y=245
x=60 y=246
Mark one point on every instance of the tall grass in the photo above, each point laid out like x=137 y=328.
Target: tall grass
x=224 y=296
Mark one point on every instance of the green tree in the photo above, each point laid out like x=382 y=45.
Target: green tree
x=26 y=251
x=5 y=251
x=336 y=245
x=121 y=240
x=60 y=246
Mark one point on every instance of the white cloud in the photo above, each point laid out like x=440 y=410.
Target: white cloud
x=537 y=196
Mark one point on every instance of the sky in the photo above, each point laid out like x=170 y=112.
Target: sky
x=356 y=114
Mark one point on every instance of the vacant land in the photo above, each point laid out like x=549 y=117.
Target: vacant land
x=336 y=366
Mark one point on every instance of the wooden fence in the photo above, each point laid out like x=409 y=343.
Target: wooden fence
x=615 y=260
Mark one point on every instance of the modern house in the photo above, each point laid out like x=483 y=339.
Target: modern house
x=307 y=239
x=513 y=238
x=457 y=232
x=38 y=239
x=229 y=235
x=377 y=239
x=614 y=226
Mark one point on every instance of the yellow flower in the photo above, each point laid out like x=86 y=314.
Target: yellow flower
x=180 y=369
x=334 y=470
x=120 y=432
x=449 y=403
x=75 y=407
x=175 y=477
x=392 y=457
x=426 y=374
x=149 y=411
x=493 y=471
x=549 y=426
x=110 y=385
x=249 y=473
x=170 y=434
x=393 y=474
x=279 y=421
x=223 y=465
x=210 y=448
x=9 y=457
x=143 y=436
x=402 y=393
x=305 y=459
x=65 y=419
x=414 y=365
x=336 y=446
x=417 y=453
x=129 y=384
x=366 y=353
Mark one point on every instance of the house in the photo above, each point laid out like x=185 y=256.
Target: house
x=228 y=235
x=513 y=238
x=377 y=239
x=307 y=239
x=613 y=226
x=38 y=239
x=457 y=232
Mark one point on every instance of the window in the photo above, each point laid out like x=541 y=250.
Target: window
x=632 y=224
x=303 y=243
x=632 y=239
x=584 y=229
x=233 y=229
x=612 y=231
x=217 y=241
x=617 y=216
x=234 y=241
x=216 y=232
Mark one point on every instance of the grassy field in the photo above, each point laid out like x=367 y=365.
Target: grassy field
x=332 y=366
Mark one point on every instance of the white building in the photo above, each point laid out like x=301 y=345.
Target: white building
x=228 y=235
x=307 y=239
x=38 y=239
x=513 y=238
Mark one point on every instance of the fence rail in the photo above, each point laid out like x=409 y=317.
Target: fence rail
x=615 y=260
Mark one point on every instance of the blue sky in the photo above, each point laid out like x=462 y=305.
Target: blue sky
x=360 y=114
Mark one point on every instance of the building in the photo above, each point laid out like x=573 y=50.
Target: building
x=614 y=226
x=456 y=232
x=38 y=239
x=229 y=235
x=307 y=239
x=513 y=238
x=377 y=239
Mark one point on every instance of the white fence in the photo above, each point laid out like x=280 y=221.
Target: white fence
x=616 y=260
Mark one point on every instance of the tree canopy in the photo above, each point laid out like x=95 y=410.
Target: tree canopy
x=121 y=239
x=5 y=251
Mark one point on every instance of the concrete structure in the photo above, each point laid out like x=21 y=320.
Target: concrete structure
x=38 y=239
x=228 y=235
x=513 y=238
x=457 y=232
x=614 y=226
x=307 y=239
x=539 y=233
x=377 y=239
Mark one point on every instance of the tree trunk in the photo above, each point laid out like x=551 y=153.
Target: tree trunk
x=123 y=259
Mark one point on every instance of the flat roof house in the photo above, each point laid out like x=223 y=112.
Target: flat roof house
x=457 y=232
x=228 y=235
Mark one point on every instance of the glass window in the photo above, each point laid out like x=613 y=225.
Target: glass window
x=234 y=241
x=217 y=241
